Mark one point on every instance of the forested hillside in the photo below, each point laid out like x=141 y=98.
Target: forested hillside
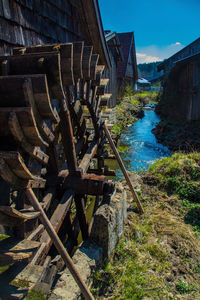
x=148 y=71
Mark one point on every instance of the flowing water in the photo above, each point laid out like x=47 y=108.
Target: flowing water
x=143 y=148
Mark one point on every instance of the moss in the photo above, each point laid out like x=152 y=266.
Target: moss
x=4 y=269
x=21 y=283
x=35 y=295
x=3 y=237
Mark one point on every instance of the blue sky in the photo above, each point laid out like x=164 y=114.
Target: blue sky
x=161 y=27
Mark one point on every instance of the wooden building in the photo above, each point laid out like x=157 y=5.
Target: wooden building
x=127 y=69
x=143 y=84
x=27 y=23
x=116 y=56
x=190 y=50
x=181 y=84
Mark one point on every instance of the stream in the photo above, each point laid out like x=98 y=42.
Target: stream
x=143 y=148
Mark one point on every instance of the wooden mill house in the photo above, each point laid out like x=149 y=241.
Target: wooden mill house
x=181 y=83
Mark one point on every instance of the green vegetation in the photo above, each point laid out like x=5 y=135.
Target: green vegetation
x=158 y=255
x=180 y=175
x=4 y=268
x=127 y=111
x=184 y=288
x=35 y=295
x=3 y=237
x=147 y=96
x=20 y=283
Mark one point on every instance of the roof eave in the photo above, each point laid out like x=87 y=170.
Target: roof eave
x=91 y=17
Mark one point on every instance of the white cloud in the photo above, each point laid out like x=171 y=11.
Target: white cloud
x=145 y=58
x=156 y=53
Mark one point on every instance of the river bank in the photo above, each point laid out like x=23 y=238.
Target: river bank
x=178 y=136
x=158 y=255
x=130 y=109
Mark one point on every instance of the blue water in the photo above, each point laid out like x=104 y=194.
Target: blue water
x=143 y=148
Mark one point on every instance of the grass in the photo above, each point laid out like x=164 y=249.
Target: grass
x=184 y=288
x=152 y=96
x=158 y=255
x=180 y=175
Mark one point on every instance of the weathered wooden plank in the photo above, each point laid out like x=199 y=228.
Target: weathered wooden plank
x=58 y=217
x=23 y=215
x=42 y=63
x=103 y=101
x=42 y=98
x=99 y=71
x=77 y=59
x=66 y=52
x=48 y=198
x=16 y=164
x=11 y=178
x=67 y=136
x=42 y=126
x=84 y=165
x=26 y=121
x=104 y=81
x=87 y=55
x=18 y=134
x=12 y=250
x=77 y=116
x=101 y=90
x=35 y=235
x=93 y=66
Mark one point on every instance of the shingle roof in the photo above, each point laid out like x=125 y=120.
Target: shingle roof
x=126 y=40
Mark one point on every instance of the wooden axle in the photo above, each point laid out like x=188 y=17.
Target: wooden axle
x=89 y=184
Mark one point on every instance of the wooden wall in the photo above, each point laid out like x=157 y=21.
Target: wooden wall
x=191 y=49
x=181 y=95
x=112 y=87
x=30 y=22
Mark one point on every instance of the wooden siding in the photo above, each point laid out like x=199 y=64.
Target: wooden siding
x=112 y=87
x=190 y=50
x=181 y=95
x=31 y=22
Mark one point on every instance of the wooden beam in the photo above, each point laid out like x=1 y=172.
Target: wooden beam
x=122 y=167
x=59 y=246
x=12 y=250
x=85 y=163
x=81 y=214
x=57 y=218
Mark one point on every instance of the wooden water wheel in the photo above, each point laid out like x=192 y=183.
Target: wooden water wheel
x=50 y=129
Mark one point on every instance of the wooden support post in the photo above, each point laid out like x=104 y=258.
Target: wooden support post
x=67 y=136
x=82 y=218
x=58 y=244
x=122 y=167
